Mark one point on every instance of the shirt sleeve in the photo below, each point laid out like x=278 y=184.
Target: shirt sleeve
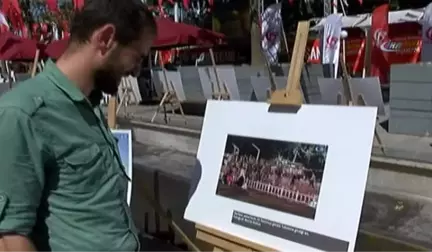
x=21 y=172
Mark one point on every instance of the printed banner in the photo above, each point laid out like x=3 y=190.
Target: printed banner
x=331 y=36
x=381 y=44
x=404 y=40
x=271 y=32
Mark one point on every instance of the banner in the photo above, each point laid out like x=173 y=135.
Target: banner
x=426 y=52
x=271 y=32
x=404 y=39
x=331 y=39
x=381 y=44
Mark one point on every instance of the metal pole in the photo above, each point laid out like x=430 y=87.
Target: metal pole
x=258 y=152
x=335 y=6
x=327 y=7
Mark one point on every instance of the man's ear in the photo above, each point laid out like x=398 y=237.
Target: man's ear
x=104 y=38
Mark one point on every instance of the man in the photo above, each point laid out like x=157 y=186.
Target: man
x=62 y=185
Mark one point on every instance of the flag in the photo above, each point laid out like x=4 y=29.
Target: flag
x=78 y=4
x=331 y=39
x=380 y=43
x=271 y=32
x=52 y=5
x=12 y=10
x=426 y=52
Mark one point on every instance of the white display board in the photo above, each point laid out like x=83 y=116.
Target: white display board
x=124 y=144
x=288 y=181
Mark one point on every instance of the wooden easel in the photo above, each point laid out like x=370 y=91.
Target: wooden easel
x=219 y=89
x=169 y=98
x=354 y=101
x=126 y=95
x=290 y=96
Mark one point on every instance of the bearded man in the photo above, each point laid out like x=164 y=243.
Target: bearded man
x=62 y=184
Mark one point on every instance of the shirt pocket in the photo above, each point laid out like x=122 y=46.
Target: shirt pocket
x=84 y=169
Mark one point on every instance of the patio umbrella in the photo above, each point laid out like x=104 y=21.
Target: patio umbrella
x=56 y=48
x=13 y=47
x=171 y=34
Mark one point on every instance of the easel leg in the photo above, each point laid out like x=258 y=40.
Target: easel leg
x=182 y=113
x=122 y=100
x=362 y=102
x=162 y=102
x=165 y=114
x=380 y=143
x=112 y=116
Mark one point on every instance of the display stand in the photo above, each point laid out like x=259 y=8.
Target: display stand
x=219 y=89
x=127 y=95
x=169 y=98
x=280 y=101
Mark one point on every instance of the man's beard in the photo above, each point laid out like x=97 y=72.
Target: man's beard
x=107 y=81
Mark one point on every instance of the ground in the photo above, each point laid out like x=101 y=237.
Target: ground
x=257 y=198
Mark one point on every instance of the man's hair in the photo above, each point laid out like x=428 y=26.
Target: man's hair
x=130 y=18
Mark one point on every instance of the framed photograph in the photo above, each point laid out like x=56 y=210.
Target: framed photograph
x=124 y=143
x=287 y=181
x=280 y=175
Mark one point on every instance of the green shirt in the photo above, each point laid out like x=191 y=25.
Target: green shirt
x=62 y=183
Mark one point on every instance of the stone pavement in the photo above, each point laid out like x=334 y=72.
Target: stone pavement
x=167 y=173
x=403 y=147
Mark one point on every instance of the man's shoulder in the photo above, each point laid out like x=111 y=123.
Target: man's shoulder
x=27 y=96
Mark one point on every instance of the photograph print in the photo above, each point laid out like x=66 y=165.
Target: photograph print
x=124 y=144
x=280 y=175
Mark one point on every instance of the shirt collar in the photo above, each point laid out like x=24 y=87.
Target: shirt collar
x=67 y=86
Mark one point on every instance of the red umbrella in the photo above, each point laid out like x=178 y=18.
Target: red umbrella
x=13 y=47
x=171 y=33
x=56 y=48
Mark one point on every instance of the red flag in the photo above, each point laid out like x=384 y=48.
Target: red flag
x=52 y=5
x=12 y=10
x=78 y=4
x=186 y=4
x=379 y=53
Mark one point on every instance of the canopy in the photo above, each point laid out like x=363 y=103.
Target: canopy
x=365 y=20
x=13 y=47
x=56 y=48
x=170 y=34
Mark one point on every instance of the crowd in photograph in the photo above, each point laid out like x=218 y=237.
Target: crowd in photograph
x=236 y=169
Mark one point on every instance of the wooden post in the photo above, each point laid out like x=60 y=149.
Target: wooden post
x=112 y=109
x=35 y=62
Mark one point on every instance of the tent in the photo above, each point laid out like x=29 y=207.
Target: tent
x=170 y=34
x=364 y=20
